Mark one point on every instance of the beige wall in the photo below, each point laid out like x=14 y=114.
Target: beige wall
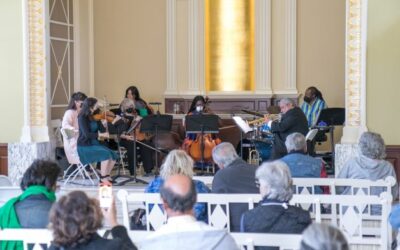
x=11 y=70
x=383 y=69
x=130 y=48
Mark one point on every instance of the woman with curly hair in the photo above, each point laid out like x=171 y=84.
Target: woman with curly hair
x=75 y=219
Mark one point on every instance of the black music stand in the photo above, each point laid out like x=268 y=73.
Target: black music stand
x=331 y=117
x=155 y=124
x=203 y=124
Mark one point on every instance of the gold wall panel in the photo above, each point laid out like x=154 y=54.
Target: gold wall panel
x=229 y=45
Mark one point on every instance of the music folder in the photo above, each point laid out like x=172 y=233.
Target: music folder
x=242 y=124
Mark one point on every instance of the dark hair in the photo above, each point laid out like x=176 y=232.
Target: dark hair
x=316 y=92
x=195 y=100
x=75 y=218
x=41 y=172
x=77 y=96
x=177 y=202
x=134 y=92
x=87 y=104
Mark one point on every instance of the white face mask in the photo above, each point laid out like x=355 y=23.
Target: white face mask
x=199 y=108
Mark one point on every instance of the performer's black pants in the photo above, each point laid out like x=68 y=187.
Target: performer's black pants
x=146 y=155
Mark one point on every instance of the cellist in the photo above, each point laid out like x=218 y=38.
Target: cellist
x=192 y=142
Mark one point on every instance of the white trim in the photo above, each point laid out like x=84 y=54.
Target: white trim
x=201 y=47
x=364 y=31
x=286 y=92
x=39 y=135
x=59 y=105
x=263 y=46
x=26 y=132
x=61 y=39
x=289 y=20
x=91 y=48
x=193 y=83
x=172 y=84
x=77 y=47
x=61 y=23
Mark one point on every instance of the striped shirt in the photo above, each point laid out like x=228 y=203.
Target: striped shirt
x=313 y=110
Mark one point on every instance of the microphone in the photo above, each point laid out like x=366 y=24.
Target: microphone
x=155 y=103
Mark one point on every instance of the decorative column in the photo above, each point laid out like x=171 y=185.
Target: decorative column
x=35 y=133
x=356 y=37
x=263 y=47
x=172 y=85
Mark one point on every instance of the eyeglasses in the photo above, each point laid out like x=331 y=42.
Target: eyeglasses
x=257 y=183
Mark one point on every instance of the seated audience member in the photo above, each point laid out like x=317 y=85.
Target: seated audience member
x=323 y=237
x=234 y=176
x=300 y=164
x=274 y=214
x=179 y=162
x=182 y=231
x=75 y=219
x=31 y=208
x=369 y=163
x=394 y=219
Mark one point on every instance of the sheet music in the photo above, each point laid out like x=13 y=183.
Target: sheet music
x=242 y=124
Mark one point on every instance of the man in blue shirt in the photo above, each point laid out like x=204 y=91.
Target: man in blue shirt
x=312 y=105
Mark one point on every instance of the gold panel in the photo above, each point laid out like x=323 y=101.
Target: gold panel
x=229 y=44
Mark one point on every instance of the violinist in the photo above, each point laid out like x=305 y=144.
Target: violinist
x=128 y=112
x=89 y=148
x=140 y=105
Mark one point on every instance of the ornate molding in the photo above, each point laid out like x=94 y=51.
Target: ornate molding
x=355 y=76
x=263 y=47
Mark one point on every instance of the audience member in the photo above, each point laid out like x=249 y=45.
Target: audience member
x=234 y=176
x=75 y=219
x=31 y=208
x=182 y=231
x=179 y=162
x=274 y=214
x=369 y=163
x=299 y=163
x=323 y=237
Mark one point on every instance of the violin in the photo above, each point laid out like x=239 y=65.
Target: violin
x=108 y=115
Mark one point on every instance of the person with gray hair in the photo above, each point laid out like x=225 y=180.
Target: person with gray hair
x=292 y=120
x=234 y=177
x=323 y=237
x=369 y=164
x=299 y=163
x=274 y=214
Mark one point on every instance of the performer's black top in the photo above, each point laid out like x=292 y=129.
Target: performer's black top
x=292 y=121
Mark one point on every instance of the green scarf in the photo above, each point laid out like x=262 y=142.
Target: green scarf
x=8 y=216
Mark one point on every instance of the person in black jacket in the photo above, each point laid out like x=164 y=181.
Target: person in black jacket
x=292 y=120
x=234 y=177
x=89 y=148
x=274 y=214
x=75 y=219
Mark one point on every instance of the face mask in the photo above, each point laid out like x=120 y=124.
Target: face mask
x=307 y=99
x=129 y=110
x=199 y=108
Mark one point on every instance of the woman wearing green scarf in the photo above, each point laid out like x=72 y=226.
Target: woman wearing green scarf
x=31 y=208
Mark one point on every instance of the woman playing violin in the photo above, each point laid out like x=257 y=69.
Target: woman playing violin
x=89 y=148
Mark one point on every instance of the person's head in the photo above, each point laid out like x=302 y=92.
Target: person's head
x=224 y=154
x=177 y=162
x=311 y=94
x=76 y=100
x=275 y=181
x=197 y=104
x=323 y=237
x=132 y=93
x=75 y=218
x=41 y=173
x=372 y=145
x=89 y=105
x=296 y=142
x=127 y=106
x=286 y=104
x=179 y=195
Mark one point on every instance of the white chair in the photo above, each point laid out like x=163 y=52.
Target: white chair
x=251 y=240
x=80 y=169
x=5 y=181
x=37 y=237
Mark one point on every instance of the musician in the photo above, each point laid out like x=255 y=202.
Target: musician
x=128 y=112
x=89 y=148
x=292 y=120
x=70 y=121
x=312 y=105
x=140 y=105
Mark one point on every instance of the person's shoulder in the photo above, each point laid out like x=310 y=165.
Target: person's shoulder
x=201 y=187
x=154 y=185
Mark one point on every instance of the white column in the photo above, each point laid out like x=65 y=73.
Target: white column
x=290 y=32
x=263 y=47
x=193 y=60
x=172 y=86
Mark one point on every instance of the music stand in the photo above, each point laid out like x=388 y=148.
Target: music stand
x=331 y=117
x=155 y=124
x=202 y=124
